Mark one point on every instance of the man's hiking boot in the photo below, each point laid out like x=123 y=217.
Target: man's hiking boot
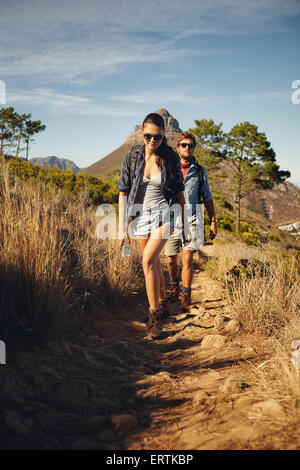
x=164 y=309
x=174 y=292
x=154 y=323
x=185 y=301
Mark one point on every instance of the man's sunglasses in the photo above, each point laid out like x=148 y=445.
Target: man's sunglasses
x=156 y=137
x=184 y=144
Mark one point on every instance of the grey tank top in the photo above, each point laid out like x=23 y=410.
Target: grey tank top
x=150 y=192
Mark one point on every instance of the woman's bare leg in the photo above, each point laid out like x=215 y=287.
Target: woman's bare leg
x=151 y=249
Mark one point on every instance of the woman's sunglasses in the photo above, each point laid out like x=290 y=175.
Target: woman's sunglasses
x=156 y=137
x=184 y=144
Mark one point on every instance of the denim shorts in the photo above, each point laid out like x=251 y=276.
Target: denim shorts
x=175 y=242
x=149 y=219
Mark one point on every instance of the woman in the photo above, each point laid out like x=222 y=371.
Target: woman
x=155 y=183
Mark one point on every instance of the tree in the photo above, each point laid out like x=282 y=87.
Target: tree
x=31 y=128
x=20 y=126
x=254 y=161
x=209 y=135
x=7 y=119
x=210 y=145
x=16 y=127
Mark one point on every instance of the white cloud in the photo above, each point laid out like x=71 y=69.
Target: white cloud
x=187 y=96
x=70 y=41
x=40 y=96
x=59 y=103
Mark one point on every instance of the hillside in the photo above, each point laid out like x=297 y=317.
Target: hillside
x=52 y=161
x=278 y=206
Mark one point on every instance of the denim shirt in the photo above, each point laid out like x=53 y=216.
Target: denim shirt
x=191 y=184
x=169 y=192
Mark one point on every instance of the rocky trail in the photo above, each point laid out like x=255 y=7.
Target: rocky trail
x=114 y=389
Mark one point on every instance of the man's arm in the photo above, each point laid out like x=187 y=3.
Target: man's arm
x=209 y=206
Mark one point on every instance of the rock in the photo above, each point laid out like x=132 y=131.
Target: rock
x=123 y=424
x=243 y=402
x=270 y=408
x=247 y=433
x=231 y=326
x=219 y=321
x=16 y=425
x=163 y=375
x=213 y=341
x=232 y=385
x=200 y=397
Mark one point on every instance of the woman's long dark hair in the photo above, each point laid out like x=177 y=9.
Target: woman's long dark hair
x=164 y=149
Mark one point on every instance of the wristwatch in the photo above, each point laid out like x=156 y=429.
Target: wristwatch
x=214 y=220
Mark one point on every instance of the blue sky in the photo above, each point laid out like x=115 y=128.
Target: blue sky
x=92 y=70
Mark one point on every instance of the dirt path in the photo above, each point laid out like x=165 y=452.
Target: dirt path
x=115 y=390
x=196 y=400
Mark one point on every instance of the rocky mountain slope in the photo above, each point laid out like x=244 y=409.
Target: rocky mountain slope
x=114 y=160
x=280 y=205
x=52 y=161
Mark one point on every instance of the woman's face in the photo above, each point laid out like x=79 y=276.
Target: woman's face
x=153 y=136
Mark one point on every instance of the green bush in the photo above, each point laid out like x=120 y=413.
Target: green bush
x=97 y=190
x=250 y=238
x=274 y=237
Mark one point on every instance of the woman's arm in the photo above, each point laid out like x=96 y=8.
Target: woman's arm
x=123 y=218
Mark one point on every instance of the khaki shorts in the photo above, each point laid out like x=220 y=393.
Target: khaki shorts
x=175 y=243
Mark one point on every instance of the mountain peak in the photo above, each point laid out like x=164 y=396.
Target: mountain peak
x=163 y=112
x=113 y=161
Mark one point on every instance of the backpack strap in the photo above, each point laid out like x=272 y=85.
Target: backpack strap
x=199 y=171
x=134 y=152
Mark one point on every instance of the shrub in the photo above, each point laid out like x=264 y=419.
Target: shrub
x=250 y=238
x=274 y=237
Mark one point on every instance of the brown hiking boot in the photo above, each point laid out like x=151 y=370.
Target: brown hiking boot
x=164 y=309
x=185 y=301
x=174 y=292
x=154 y=323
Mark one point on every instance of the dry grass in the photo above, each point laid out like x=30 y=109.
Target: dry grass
x=278 y=378
x=263 y=294
x=52 y=264
x=262 y=287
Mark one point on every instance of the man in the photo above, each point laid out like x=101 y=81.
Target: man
x=193 y=175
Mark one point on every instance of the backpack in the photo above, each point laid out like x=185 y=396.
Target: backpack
x=169 y=170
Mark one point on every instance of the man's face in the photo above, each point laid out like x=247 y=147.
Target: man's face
x=186 y=148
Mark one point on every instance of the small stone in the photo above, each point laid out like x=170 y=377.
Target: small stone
x=243 y=401
x=232 y=385
x=213 y=341
x=269 y=408
x=219 y=321
x=232 y=325
x=200 y=397
x=123 y=424
x=164 y=375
